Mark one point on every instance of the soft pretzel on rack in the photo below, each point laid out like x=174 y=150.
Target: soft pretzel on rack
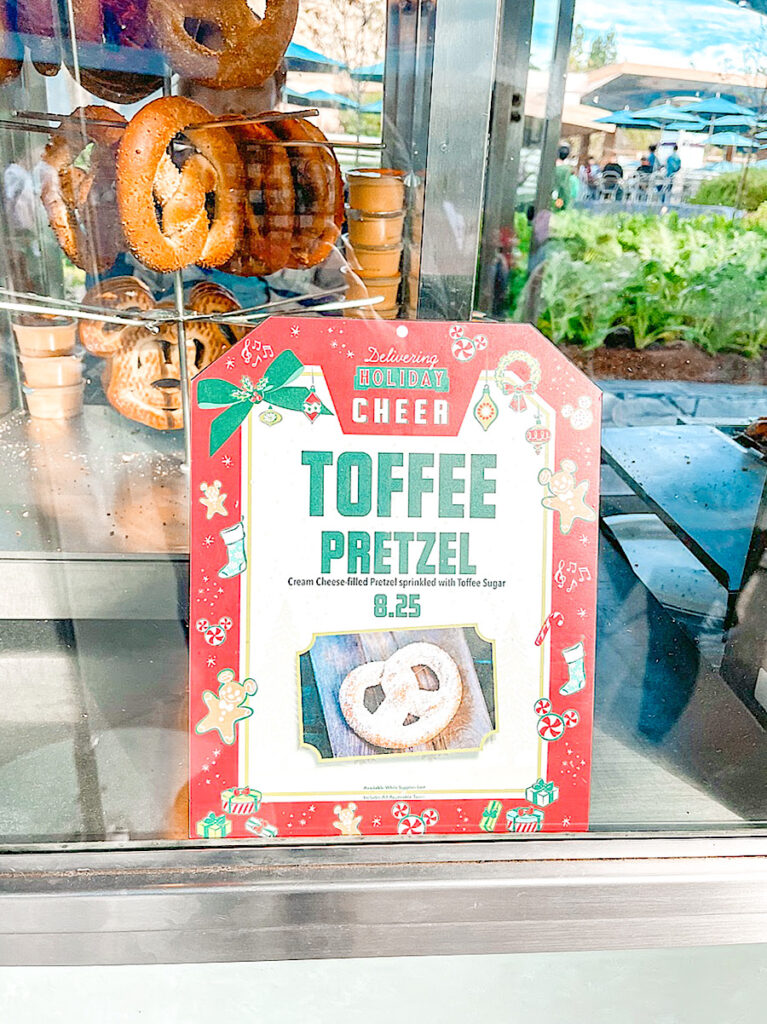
x=145 y=174
x=319 y=209
x=144 y=379
x=119 y=294
x=269 y=203
x=81 y=204
x=121 y=22
x=222 y=43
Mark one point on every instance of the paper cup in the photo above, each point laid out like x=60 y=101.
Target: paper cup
x=46 y=338
x=373 y=229
x=374 y=313
x=55 y=403
x=52 y=371
x=382 y=261
x=376 y=189
x=387 y=287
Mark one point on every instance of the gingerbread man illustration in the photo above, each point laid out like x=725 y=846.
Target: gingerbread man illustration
x=566 y=496
x=213 y=500
x=348 y=822
x=228 y=706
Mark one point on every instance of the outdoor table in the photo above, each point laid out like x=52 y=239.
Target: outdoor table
x=703 y=485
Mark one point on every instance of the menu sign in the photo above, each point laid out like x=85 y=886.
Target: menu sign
x=393 y=582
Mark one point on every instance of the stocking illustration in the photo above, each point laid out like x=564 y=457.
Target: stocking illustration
x=576 y=669
x=234 y=538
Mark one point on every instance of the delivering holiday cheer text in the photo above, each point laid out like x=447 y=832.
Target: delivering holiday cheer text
x=415 y=485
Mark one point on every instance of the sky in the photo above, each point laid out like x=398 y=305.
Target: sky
x=710 y=35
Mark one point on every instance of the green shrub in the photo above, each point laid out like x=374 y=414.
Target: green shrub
x=724 y=190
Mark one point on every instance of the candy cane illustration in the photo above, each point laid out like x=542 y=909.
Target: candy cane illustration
x=555 y=618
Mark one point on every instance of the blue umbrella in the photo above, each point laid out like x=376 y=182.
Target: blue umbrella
x=371 y=73
x=734 y=121
x=372 y=108
x=321 y=98
x=301 y=58
x=732 y=139
x=716 y=105
x=665 y=112
x=625 y=119
x=686 y=126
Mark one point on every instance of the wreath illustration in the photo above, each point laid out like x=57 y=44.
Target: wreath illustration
x=521 y=384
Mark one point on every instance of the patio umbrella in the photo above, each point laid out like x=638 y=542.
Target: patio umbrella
x=625 y=119
x=371 y=73
x=734 y=121
x=321 y=98
x=376 y=107
x=301 y=58
x=761 y=135
x=684 y=126
x=716 y=105
x=665 y=112
x=734 y=140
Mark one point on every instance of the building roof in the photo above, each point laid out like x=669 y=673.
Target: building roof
x=640 y=85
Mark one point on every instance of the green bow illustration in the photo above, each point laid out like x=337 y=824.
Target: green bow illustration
x=237 y=402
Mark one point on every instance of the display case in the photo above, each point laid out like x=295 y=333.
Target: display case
x=174 y=174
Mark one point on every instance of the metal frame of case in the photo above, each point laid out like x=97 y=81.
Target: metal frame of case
x=455 y=102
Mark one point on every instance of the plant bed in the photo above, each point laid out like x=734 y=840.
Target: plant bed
x=672 y=361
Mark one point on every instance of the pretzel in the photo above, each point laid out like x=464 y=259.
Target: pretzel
x=12 y=52
x=120 y=22
x=237 y=49
x=145 y=375
x=426 y=712
x=146 y=173
x=319 y=191
x=269 y=203
x=38 y=20
x=116 y=293
x=81 y=204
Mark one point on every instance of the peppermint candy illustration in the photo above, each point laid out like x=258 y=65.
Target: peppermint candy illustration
x=411 y=825
x=400 y=810
x=570 y=718
x=429 y=817
x=542 y=706
x=215 y=633
x=551 y=727
x=464 y=348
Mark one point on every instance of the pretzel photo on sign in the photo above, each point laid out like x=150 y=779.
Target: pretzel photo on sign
x=80 y=203
x=407 y=715
x=221 y=43
x=146 y=175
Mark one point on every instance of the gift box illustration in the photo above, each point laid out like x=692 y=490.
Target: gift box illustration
x=542 y=793
x=490 y=816
x=214 y=826
x=524 y=819
x=259 y=827
x=240 y=800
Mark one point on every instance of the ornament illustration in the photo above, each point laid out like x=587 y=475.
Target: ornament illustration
x=234 y=539
x=575 y=660
x=413 y=824
x=270 y=417
x=518 y=384
x=581 y=417
x=538 y=436
x=215 y=633
x=566 y=496
x=213 y=500
x=347 y=822
x=228 y=707
x=464 y=349
x=486 y=411
x=312 y=406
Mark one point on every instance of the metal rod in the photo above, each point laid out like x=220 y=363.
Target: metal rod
x=74 y=314
x=275 y=304
x=68 y=305
x=222 y=122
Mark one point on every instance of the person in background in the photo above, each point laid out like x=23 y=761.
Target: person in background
x=673 y=164
x=645 y=166
x=612 y=175
x=653 y=159
x=563 y=183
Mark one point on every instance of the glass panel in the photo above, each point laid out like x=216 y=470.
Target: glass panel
x=707 y=985
x=643 y=254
